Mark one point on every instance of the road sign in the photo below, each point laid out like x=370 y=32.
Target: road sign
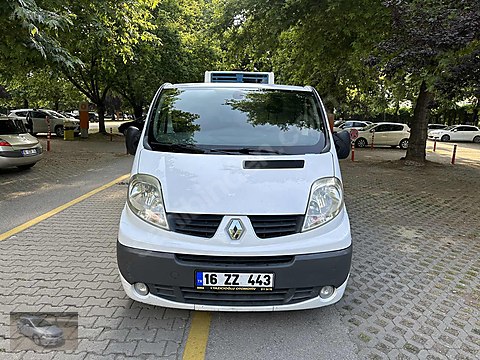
x=353 y=134
x=83 y=106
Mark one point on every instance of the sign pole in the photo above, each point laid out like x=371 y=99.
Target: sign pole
x=83 y=110
x=353 y=137
x=49 y=132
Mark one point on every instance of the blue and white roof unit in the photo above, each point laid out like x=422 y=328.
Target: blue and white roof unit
x=239 y=77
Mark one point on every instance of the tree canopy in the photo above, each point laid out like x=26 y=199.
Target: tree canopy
x=400 y=60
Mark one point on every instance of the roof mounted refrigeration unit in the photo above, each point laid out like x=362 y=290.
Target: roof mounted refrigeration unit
x=239 y=77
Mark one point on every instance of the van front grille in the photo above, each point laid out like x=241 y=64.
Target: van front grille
x=202 y=225
x=269 y=226
x=265 y=226
x=234 y=298
x=234 y=261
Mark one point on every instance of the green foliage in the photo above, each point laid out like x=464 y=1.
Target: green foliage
x=365 y=57
x=32 y=27
x=44 y=88
x=183 y=54
x=324 y=44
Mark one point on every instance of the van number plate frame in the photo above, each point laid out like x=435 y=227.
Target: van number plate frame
x=236 y=281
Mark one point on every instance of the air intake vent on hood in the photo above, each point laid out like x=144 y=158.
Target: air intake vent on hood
x=274 y=164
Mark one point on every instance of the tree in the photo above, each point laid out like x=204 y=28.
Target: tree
x=101 y=32
x=435 y=44
x=42 y=88
x=183 y=54
x=32 y=27
x=308 y=42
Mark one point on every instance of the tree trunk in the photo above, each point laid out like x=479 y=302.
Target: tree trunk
x=418 y=135
x=101 y=118
x=138 y=111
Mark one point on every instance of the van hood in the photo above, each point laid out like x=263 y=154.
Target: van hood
x=219 y=184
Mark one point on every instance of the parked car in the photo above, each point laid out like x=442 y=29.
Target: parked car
x=17 y=147
x=139 y=123
x=384 y=133
x=92 y=116
x=435 y=127
x=35 y=122
x=351 y=124
x=41 y=331
x=456 y=133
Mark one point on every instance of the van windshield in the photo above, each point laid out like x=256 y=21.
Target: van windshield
x=236 y=120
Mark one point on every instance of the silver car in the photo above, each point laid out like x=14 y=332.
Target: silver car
x=41 y=331
x=17 y=147
x=34 y=120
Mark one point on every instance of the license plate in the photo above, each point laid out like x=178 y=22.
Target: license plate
x=29 y=152
x=233 y=281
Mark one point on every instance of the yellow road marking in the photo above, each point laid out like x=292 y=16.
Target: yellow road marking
x=196 y=345
x=45 y=216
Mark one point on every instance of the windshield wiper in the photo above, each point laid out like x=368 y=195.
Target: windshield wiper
x=185 y=148
x=247 y=151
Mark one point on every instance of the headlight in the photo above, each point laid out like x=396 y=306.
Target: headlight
x=146 y=201
x=326 y=202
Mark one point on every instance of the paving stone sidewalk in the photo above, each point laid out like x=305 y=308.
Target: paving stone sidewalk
x=414 y=291
x=73 y=268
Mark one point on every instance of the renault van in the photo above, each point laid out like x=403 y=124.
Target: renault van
x=235 y=201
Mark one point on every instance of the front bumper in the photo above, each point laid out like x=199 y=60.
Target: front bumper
x=51 y=341
x=170 y=278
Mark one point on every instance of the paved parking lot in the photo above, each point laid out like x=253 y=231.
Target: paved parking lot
x=414 y=290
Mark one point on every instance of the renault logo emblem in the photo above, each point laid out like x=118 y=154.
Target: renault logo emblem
x=235 y=229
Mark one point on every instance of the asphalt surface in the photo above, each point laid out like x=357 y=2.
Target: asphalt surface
x=70 y=170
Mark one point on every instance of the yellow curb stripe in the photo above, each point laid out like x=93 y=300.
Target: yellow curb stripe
x=55 y=211
x=196 y=345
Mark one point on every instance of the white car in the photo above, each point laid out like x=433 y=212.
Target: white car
x=351 y=124
x=17 y=147
x=39 y=123
x=456 y=133
x=384 y=134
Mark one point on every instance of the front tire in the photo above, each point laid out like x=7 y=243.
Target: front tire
x=361 y=143
x=476 y=139
x=59 y=131
x=445 y=138
x=403 y=144
x=36 y=340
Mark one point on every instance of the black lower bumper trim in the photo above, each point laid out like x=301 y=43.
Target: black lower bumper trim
x=169 y=270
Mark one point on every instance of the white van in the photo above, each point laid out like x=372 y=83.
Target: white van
x=235 y=201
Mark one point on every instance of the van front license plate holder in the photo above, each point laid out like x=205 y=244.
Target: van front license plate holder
x=234 y=281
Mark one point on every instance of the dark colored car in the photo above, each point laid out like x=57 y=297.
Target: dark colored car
x=40 y=330
x=138 y=123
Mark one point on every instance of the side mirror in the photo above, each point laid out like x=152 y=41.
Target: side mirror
x=342 y=144
x=132 y=137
